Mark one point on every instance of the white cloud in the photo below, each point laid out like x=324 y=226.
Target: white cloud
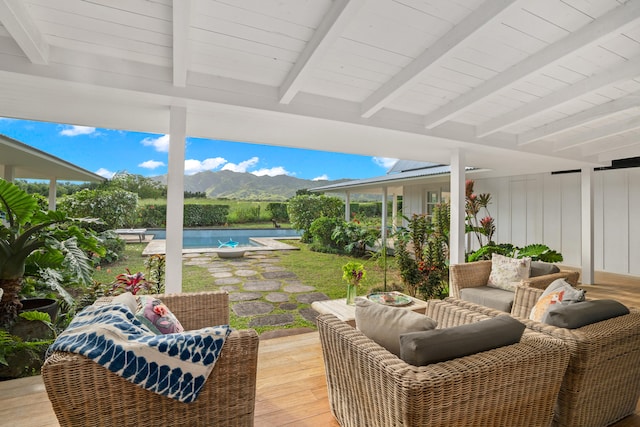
x=77 y=130
x=193 y=166
x=105 y=173
x=160 y=143
x=321 y=178
x=278 y=170
x=151 y=164
x=242 y=166
x=385 y=162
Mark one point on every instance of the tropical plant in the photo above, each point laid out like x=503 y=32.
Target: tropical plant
x=156 y=272
x=40 y=241
x=355 y=238
x=536 y=251
x=482 y=228
x=422 y=254
x=130 y=282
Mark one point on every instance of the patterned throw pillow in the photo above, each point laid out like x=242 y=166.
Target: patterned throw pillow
x=506 y=273
x=156 y=316
x=558 y=292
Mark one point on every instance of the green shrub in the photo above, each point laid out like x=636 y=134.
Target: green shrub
x=278 y=211
x=245 y=214
x=321 y=231
x=196 y=215
x=116 y=207
x=152 y=216
x=305 y=209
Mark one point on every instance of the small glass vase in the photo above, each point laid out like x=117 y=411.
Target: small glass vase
x=351 y=294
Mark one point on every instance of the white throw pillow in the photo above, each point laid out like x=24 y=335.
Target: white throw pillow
x=559 y=292
x=507 y=273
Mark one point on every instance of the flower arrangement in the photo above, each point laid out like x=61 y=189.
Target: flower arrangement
x=353 y=273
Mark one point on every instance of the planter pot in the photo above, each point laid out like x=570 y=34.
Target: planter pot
x=45 y=305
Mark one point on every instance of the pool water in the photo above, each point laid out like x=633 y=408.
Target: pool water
x=213 y=238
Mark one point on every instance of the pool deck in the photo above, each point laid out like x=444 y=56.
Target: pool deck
x=158 y=246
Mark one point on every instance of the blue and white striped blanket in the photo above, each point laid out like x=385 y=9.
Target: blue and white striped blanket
x=173 y=365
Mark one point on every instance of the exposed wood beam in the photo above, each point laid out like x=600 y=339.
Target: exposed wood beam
x=608 y=25
x=16 y=19
x=626 y=71
x=598 y=134
x=487 y=13
x=581 y=118
x=331 y=27
x=181 y=22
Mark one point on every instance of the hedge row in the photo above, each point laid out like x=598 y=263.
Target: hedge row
x=195 y=215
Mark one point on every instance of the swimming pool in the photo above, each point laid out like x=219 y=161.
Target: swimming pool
x=212 y=238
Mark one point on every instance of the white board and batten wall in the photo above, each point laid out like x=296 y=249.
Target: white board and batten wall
x=545 y=208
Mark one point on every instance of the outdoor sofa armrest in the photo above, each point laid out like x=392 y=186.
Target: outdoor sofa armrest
x=468 y=275
x=541 y=282
x=511 y=385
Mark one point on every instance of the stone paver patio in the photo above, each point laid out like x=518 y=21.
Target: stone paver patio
x=260 y=289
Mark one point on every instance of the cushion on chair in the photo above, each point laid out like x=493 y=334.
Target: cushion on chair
x=584 y=313
x=539 y=268
x=559 y=292
x=438 y=345
x=489 y=297
x=384 y=324
x=156 y=316
x=506 y=273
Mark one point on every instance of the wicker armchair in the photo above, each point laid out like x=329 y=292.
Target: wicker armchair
x=602 y=382
x=514 y=385
x=476 y=275
x=84 y=393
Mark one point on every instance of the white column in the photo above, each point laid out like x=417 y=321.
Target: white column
x=394 y=212
x=9 y=173
x=347 y=206
x=175 y=199
x=52 y=193
x=456 y=232
x=586 y=202
x=384 y=217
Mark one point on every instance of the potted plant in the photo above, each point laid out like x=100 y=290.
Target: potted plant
x=33 y=239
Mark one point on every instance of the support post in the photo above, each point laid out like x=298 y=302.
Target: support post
x=456 y=232
x=586 y=202
x=52 y=193
x=175 y=199
x=347 y=206
x=9 y=173
x=394 y=212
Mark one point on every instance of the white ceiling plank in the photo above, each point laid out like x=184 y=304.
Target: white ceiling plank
x=623 y=141
x=487 y=13
x=608 y=25
x=337 y=18
x=619 y=73
x=17 y=21
x=581 y=118
x=181 y=23
x=623 y=153
x=598 y=134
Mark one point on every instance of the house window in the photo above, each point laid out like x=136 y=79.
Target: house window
x=434 y=198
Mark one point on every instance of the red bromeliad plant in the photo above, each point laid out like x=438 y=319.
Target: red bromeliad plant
x=129 y=282
x=483 y=228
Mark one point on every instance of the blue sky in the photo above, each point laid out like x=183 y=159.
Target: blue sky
x=106 y=151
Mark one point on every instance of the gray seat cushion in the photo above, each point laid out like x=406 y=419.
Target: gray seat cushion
x=489 y=297
x=425 y=347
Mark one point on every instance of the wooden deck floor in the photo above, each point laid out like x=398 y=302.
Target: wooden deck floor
x=291 y=388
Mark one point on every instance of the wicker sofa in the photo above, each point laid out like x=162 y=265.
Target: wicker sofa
x=602 y=382
x=469 y=282
x=514 y=385
x=84 y=393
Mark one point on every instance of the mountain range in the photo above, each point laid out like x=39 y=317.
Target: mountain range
x=246 y=186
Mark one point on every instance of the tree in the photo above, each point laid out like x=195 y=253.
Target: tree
x=145 y=188
x=304 y=209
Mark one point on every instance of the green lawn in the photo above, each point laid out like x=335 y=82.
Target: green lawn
x=322 y=271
